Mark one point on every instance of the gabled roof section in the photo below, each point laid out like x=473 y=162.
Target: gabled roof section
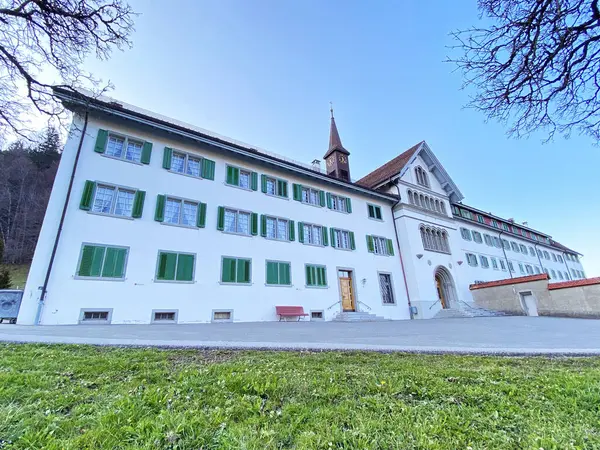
x=397 y=166
x=390 y=169
x=335 y=143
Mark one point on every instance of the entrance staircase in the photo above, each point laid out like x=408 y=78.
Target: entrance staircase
x=467 y=311
x=357 y=316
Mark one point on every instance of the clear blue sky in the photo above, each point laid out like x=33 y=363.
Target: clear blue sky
x=264 y=72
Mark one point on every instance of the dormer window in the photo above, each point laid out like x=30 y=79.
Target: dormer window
x=421 y=177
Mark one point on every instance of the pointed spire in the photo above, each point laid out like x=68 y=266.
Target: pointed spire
x=335 y=143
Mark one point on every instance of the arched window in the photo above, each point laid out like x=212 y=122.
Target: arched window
x=410 y=197
x=443 y=205
x=421 y=176
x=427 y=202
x=417 y=199
x=422 y=199
x=434 y=239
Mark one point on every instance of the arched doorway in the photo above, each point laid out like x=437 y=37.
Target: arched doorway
x=445 y=287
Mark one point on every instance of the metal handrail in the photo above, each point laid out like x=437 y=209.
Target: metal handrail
x=363 y=303
x=339 y=301
x=434 y=303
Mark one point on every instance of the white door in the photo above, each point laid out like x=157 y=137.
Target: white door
x=528 y=302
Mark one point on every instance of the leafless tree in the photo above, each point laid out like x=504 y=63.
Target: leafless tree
x=45 y=39
x=535 y=64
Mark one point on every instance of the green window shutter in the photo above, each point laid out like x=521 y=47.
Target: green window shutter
x=284 y=273
x=228 y=270
x=282 y=190
x=146 y=153
x=185 y=268
x=348 y=204
x=370 y=244
x=390 y=245
x=167 y=157
x=297 y=192
x=254 y=224
x=301 y=232
x=352 y=241
x=243 y=271
x=101 y=139
x=332 y=237
x=220 y=218
x=371 y=211
x=263 y=183
x=378 y=212
x=325 y=236
x=309 y=276
x=208 y=169
x=233 y=176
x=322 y=276
x=329 y=203
x=138 y=204
x=263 y=225
x=86 y=197
x=254 y=181
x=159 y=214
x=291 y=230
x=272 y=273
x=114 y=263
x=166 y=266
x=88 y=263
x=201 y=219
x=322 y=198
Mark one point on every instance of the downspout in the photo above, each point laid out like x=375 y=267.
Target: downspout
x=38 y=314
x=504 y=251
x=400 y=252
x=565 y=260
x=540 y=259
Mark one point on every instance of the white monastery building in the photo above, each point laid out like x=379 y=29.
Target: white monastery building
x=153 y=220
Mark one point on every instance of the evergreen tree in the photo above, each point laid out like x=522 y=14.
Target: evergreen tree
x=5 y=280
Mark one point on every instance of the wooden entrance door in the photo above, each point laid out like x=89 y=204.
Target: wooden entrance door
x=440 y=291
x=345 y=277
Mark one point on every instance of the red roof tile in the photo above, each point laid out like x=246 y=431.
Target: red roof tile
x=527 y=279
x=389 y=169
x=574 y=283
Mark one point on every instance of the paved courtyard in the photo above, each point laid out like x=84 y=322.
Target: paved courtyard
x=497 y=335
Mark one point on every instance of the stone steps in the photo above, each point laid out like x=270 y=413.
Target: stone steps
x=467 y=311
x=357 y=316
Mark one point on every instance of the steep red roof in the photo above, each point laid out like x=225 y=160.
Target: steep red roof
x=564 y=248
x=574 y=283
x=389 y=169
x=527 y=279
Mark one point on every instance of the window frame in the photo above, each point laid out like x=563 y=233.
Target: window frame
x=464 y=230
x=187 y=155
x=117 y=188
x=277 y=220
x=101 y=278
x=240 y=169
x=502 y=264
x=515 y=247
x=479 y=236
x=476 y=264
x=310 y=189
x=375 y=209
x=313 y=225
x=126 y=138
x=316 y=286
x=289 y=263
x=340 y=200
x=175 y=280
x=153 y=319
x=383 y=242
x=484 y=262
x=521 y=247
x=236 y=283
x=494 y=262
x=237 y=212
x=392 y=291
x=276 y=180
x=341 y=231
x=422 y=177
x=82 y=319
x=182 y=202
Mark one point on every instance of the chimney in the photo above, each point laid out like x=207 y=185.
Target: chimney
x=316 y=165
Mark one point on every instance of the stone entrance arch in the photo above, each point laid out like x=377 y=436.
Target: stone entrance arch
x=444 y=285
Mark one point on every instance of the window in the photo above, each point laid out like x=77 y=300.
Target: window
x=181 y=212
x=95 y=316
x=274 y=186
x=380 y=245
x=566 y=275
x=574 y=273
x=547 y=272
x=514 y=229
x=316 y=315
x=510 y=266
x=480 y=218
x=278 y=273
x=222 y=315
x=531 y=251
x=539 y=253
x=471 y=259
x=339 y=203
x=560 y=275
x=466 y=214
x=421 y=176
x=494 y=263
x=488 y=240
x=546 y=255
x=186 y=164
x=237 y=222
x=455 y=210
x=554 y=257
x=560 y=259
x=514 y=246
x=537 y=269
x=505 y=227
x=242 y=178
x=523 y=249
x=102 y=262
x=484 y=262
x=276 y=228
x=174 y=266
x=374 y=212
x=387 y=293
x=316 y=276
x=466 y=234
x=477 y=237
x=164 y=316
x=502 y=265
x=529 y=269
x=534 y=237
x=495 y=223
x=553 y=273
x=343 y=239
x=505 y=244
x=521 y=268
x=309 y=195
x=497 y=242
x=312 y=234
x=236 y=270
x=112 y=200
x=122 y=147
x=434 y=239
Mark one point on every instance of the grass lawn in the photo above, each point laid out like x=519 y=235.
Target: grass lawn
x=18 y=275
x=68 y=397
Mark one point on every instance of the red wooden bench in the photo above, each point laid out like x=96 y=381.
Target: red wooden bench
x=290 y=311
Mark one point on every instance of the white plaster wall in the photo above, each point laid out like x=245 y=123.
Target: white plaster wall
x=134 y=298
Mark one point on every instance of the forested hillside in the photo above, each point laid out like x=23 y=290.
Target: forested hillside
x=27 y=171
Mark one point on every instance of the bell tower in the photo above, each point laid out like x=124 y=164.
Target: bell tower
x=336 y=157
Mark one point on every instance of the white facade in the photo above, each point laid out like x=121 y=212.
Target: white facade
x=137 y=296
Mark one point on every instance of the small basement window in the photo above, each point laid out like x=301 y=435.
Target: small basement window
x=223 y=316
x=164 y=316
x=95 y=315
x=316 y=315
